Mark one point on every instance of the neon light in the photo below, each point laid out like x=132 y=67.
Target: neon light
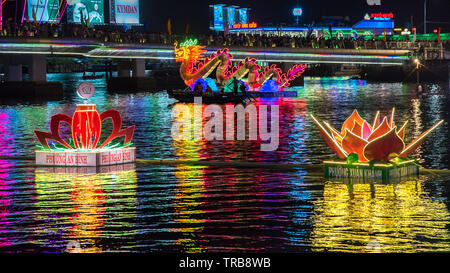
x=382 y=15
x=245 y=25
x=1 y=15
x=62 y=14
x=43 y=11
x=189 y=42
x=85 y=127
x=297 y=12
x=23 y=13
x=57 y=12
x=194 y=67
x=382 y=142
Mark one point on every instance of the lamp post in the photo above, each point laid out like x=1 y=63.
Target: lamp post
x=425 y=17
x=297 y=13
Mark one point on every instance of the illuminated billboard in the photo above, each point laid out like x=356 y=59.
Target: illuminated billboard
x=92 y=9
x=231 y=16
x=44 y=10
x=243 y=16
x=218 y=17
x=124 y=11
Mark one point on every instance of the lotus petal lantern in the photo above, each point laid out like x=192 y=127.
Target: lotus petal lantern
x=381 y=140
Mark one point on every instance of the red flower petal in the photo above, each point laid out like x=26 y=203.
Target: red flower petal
x=381 y=147
x=354 y=144
x=418 y=141
x=382 y=129
x=366 y=130
x=357 y=129
x=329 y=140
x=349 y=123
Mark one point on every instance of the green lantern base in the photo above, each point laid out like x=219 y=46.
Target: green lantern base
x=366 y=172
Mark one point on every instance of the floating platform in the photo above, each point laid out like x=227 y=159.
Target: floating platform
x=85 y=158
x=89 y=170
x=371 y=172
x=272 y=94
x=219 y=98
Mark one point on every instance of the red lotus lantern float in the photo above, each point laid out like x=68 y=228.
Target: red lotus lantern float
x=380 y=141
x=370 y=151
x=86 y=126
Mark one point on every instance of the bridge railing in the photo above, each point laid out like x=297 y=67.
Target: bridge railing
x=420 y=49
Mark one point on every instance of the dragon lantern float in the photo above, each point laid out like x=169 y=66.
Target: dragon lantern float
x=194 y=67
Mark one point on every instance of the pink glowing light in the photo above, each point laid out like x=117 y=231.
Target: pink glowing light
x=23 y=13
x=62 y=14
x=42 y=15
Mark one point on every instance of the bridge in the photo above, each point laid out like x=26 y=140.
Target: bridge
x=94 y=49
x=15 y=53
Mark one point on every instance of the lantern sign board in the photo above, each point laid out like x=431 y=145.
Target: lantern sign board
x=79 y=158
x=85 y=90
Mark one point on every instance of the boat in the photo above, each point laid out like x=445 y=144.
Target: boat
x=92 y=77
x=216 y=97
x=347 y=70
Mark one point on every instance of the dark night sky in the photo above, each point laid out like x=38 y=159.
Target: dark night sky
x=196 y=12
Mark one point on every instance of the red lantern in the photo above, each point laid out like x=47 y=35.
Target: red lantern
x=86 y=127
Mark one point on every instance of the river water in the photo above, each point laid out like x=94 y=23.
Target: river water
x=149 y=208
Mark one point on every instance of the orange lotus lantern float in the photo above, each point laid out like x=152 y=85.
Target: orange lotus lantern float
x=381 y=140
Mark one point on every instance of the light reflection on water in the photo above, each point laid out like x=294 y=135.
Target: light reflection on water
x=398 y=217
x=198 y=209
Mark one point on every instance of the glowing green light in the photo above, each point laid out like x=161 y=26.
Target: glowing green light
x=189 y=42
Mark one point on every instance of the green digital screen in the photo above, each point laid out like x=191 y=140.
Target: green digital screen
x=83 y=9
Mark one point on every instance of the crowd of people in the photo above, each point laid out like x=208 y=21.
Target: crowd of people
x=113 y=34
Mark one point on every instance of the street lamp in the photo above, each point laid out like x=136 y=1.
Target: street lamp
x=297 y=13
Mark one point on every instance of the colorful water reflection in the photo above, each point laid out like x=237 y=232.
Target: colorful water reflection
x=397 y=217
x=77 y=208
x=199 y=209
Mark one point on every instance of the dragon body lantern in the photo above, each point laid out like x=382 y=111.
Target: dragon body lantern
x=194 y=67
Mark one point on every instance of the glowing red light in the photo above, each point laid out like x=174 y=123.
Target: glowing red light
x=382 y=15
x=249 y=25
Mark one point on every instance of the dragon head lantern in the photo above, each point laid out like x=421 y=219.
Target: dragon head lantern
x=188 y=51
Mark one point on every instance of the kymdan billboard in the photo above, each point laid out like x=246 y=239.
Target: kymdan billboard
x=125 y=11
